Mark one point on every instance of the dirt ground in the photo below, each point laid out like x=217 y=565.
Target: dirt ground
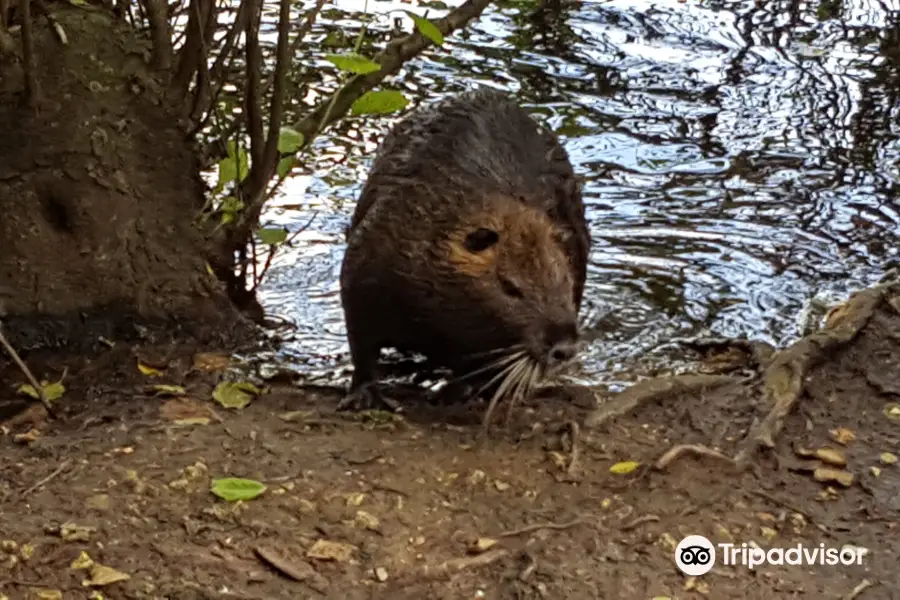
x=412 y=506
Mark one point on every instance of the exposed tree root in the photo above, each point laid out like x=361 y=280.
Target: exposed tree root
x=760 y=353
x=783 y=379
x=652 y=390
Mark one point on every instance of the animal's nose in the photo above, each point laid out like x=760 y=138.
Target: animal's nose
x=561 y=341
x=562 y=353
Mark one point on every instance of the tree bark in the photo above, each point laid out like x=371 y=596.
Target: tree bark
x=98 y=191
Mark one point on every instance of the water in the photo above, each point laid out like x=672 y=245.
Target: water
x=740 y=158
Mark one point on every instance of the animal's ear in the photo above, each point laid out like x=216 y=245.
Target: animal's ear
x=481 y=239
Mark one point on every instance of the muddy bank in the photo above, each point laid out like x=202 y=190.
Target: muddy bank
x=408 y=507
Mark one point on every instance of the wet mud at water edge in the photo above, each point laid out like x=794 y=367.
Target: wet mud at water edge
x=740 y=159
x=564 y=502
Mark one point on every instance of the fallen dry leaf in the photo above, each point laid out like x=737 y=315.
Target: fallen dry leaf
x=367 y=521
x=336 y=551
x=27 y=438
x=185 y=411
x=211 y=361
x=842 y=435
x=148 y=370
x=831 y=456
x=284 y=561
x=84 y=561
x=625 y=467
x=71 y=532
x=803 y=452
x=824 y=474
x=481 y=545
x=102 y=575
x=892 y=411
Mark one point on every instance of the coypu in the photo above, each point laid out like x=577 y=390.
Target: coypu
x=468 y=245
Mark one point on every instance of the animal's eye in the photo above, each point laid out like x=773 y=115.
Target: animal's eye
x=481 y=239
x=510 y=289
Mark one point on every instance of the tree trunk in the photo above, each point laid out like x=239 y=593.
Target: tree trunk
x=99 y=188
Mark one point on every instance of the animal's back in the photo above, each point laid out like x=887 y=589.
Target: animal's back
x=468 y=145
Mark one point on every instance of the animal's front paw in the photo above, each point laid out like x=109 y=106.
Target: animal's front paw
x=367 y=397
x=455 y=392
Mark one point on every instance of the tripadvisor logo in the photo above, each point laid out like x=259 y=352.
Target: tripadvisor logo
x=695 y=555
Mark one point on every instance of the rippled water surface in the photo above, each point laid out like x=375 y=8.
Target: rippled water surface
x=740 y=158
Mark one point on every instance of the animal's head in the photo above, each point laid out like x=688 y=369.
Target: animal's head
x=510 y=260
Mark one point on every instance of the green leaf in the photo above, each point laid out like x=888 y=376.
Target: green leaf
x=272 y=236
x=229 y=167
x=53 y=391
x=380 y=102
x=289 y=140
x=285 y=166
x=232 y=489
x=353 y=62
x=235 y=394
x=427 y=28
x=231 y=205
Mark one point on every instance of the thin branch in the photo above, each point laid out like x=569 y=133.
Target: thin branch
x=204 y=105
x=308 y=22
x=391 y=59
x=31 y=84
x=38 y=388
x=253 y=93
x=276 y=111
x=193 y=53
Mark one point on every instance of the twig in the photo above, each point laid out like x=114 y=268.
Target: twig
x=455 y=565
x=47 y=479
x=858 y=590
x=539 y=526
x=677 y=452
x=638 y=522
x=652 y=390
x=26 y=371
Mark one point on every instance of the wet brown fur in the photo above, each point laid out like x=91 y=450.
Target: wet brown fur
x=411 y=279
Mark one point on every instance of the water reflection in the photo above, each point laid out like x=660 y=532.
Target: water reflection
x=739 y=157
